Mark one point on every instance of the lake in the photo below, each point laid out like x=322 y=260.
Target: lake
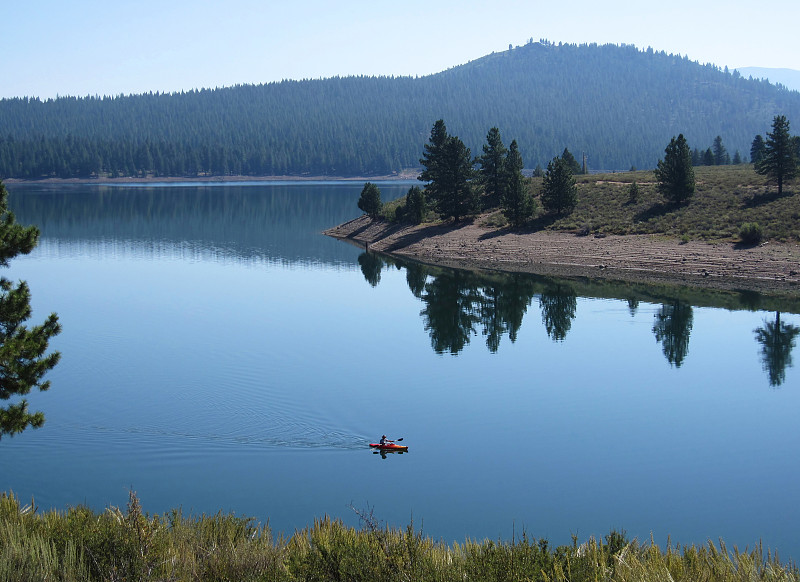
x=219 y=353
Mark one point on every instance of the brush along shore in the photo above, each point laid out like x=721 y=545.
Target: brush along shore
x=80 y=544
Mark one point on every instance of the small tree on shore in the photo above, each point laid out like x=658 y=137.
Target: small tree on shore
x=370 y=200
x=449 y=172
x=492 y=169
x=674 y=173
x=559 y=192
x=779 y=161
x=415 y=206
x=633 y=193
x=518 y=204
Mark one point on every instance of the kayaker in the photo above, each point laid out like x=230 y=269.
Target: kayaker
x=384 y=440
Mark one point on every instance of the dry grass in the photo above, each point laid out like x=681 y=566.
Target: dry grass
x=81 y=545
x=726 y=198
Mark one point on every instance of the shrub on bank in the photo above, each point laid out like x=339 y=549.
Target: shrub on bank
x=750 y=233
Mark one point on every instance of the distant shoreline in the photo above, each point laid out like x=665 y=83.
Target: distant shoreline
x=399 y=176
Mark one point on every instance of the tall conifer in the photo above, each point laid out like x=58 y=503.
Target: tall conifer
x=674 y=173
x=779 y=161
x=491 y=171
x=518 y=204
x=23 y=362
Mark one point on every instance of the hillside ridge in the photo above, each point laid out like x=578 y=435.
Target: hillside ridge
x=616 y=104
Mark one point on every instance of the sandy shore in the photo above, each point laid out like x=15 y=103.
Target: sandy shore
x=770 y=267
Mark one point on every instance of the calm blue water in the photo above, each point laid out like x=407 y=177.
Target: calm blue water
x=219 y=353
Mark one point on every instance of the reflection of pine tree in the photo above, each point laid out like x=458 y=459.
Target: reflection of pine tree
x=455 y=302
x=493 y=325
x=518 y=291
x=371 y=267
x=502 y=307
x=416 y=276
x=558 y=303
x=450 y=311
x=777 y=340
x=672 y=328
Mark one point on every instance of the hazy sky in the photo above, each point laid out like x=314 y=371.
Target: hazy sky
x=112 y=47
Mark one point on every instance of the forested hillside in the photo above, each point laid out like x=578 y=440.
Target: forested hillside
x=617 y=104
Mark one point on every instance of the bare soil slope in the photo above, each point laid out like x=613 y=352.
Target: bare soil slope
x=770 y=267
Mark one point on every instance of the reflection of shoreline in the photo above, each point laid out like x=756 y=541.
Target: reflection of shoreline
x=272 y=223
x=408 y=175
x=770 y=268
x=461 y=304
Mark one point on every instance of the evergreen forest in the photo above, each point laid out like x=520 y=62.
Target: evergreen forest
x=615 y=104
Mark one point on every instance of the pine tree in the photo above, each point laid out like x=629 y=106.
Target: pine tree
x=757 y=150
x=415 y=206
x=433 y=156
x=721 y=157
x=780 y=159
x=518 y=204
x=559 y=193
x=570 y=160
x=674 y=173
x=491 y=171
x=23 y=362
x=370 y=200
x=448 y=171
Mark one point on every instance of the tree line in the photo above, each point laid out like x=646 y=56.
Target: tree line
x=458 y=185
x=604 y=102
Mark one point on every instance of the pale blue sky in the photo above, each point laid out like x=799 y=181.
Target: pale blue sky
x=108 y=47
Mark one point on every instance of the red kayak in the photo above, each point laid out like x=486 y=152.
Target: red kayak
x=388 y=447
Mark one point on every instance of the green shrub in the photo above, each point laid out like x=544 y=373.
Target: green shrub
x=633 y=193
x=750 y=233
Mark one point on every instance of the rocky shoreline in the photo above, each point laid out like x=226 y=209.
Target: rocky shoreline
x=772 y=268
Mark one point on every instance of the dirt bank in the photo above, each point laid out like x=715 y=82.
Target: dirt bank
x=770 y=267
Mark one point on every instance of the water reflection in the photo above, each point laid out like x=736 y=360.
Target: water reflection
x=777 y=340
x=451 y=310
x=384 y=453
x=559 y=302
x=504 y=307
x=672 y=328
x=371 y=267
x=261 y=222
x=458 y=303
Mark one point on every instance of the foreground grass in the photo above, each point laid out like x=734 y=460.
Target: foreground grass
x=80 y=544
